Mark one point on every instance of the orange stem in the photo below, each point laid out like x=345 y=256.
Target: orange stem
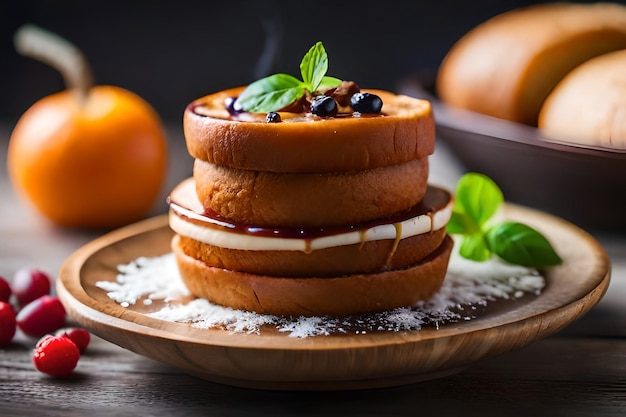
x=47 y=47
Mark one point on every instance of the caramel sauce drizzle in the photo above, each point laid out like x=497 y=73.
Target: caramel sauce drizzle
x=396 y=242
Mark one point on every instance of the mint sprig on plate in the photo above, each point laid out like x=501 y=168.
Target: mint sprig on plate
x=278 y=91
x=477 y=199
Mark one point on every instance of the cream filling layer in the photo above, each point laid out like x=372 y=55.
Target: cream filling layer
x=221 y=236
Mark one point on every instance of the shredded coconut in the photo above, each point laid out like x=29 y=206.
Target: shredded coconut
x=156 y=278
x=468 y=288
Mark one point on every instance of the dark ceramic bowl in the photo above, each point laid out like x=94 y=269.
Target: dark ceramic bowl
x=583 y=184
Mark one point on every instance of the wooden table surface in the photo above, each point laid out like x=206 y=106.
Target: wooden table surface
x=580 y=371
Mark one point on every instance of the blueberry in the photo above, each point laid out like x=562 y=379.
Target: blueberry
x=232 y=106
x=273 y=117
x=366 y=103
x=324 y=106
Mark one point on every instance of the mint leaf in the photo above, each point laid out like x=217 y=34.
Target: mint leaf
x=314 y=66
x=328 y=83
x=475 y=248
x=271 y=93
x=520 y=244
x=478 y=197
x=278 y=91
x=461 y=223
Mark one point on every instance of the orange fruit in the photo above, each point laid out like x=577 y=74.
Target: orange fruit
x=97 y=163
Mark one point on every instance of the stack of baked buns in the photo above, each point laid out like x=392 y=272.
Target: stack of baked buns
x=308 y=215
x=557 y=66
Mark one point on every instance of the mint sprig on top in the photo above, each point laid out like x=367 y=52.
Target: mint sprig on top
x=477 y=199
x=278 y=91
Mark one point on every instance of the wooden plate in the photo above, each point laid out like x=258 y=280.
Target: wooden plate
x=272 y=360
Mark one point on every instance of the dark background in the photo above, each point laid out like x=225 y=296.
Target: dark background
x=171 y=52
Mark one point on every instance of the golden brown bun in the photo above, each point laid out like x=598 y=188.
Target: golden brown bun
x=506 y=66
x=372 y=256
x=405 y=132
x=310 y=200
x=337 y=296
x=589 y=105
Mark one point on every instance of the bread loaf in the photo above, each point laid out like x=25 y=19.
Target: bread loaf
x=507 y=66
x=588 y=106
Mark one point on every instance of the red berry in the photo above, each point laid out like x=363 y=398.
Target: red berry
x=5 y=290
x=30 y=284
x=44 y=315
x=56 y=356
x=79 y=336
x=7 y=323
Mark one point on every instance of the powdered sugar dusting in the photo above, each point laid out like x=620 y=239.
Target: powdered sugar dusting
x=203 y=314
x=155 y=278
x=468 y=287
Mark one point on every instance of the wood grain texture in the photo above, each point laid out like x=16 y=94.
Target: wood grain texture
x=378 y=359
x=568 y=376
x=579 y=372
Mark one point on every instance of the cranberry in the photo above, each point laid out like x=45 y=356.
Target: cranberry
x=7 y=323
x=366 y=103
x=30 y=284
x=44 y=315
x=79 y=336
x=56 y=356
x=324 y=106
x=5 y=290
